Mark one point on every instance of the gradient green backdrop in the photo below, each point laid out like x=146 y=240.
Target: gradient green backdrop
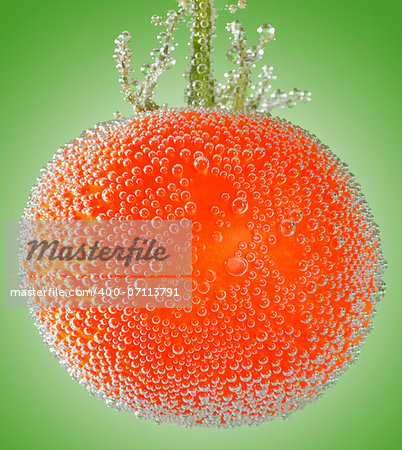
x=58 y=78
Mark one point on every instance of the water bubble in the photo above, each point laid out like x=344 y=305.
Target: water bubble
x=197 y=85
x=279 y=94
x=135 y=84
x=322 y=280
x=293 y=172
x=303 y=265
x=202 y=68
x=202 y=311
x=107 y=195
x=177 y=349
x=144 y=213
x=311 y=287
x=296 y=216
x=145 y=68
x=156 y=266
x=239 y=205
x=242 y=4
x=336 y=242
x=255 y=53
x=312 y=224
x=185 y=154
x=203 y=288
x=155 y=53
x=210 y=276
x=271 y=239
x=162 y=37
x=217 y=236
x=306 y=317
x=262 y=336
x=190 y=207
x=266 y=31
x=201 y=164
x=156 y=222
x=170 y=62
x=233 y=54
x=287 y=227
x=235 y=26
x=281 y=178
x=236 y=266
x=332 y=228
x=177 y=170
x=155 y=19
x=232 y=8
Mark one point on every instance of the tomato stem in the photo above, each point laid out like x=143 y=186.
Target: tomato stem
x=201 y=88
x=243 y=77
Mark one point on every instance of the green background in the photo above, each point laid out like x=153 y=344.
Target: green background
x=58 y=78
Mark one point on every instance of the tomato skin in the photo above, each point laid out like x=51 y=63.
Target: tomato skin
x=287 y=265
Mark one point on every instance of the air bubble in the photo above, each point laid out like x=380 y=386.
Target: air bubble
x=177 y=349
x=145 y=68
x=266 y=31
x=201 y=164
x=202 y=68
x=336 y=242
x=239 y=205
x=242 y=4
x=236 y=266
x=312 y=224
x=170 y=62
x=296 y=216
x=306 y=317
x=190 y=208
x=262 y=336
x=287 y=228
x=107 y=195
x=203 y=288
x=217 y=236
x=233 y=54
x=177 y=170
x=232 y=8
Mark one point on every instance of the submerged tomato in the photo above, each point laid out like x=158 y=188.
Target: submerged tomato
x=287 y=265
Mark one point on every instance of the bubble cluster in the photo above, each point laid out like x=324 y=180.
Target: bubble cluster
x=241 y=4
x=237 y=92
x=287 y=266
x=139 y=93
x=234 y=92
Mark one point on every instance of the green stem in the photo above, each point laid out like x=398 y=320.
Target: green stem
x=201 y=80
x=240 y=96
x=147 y=102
